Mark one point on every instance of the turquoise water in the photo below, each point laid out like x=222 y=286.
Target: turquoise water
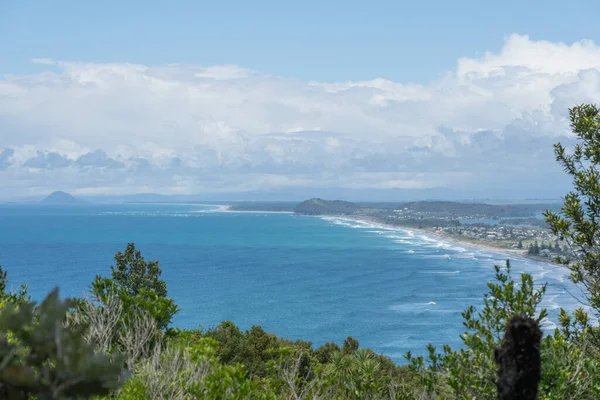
x=299 y=277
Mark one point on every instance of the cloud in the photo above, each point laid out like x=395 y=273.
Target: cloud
x=97 y=159
x=47 y=160
x=191 y=129
x=6 y=158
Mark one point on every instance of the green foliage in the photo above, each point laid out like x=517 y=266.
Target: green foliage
x=137 y=284
x=578 y=222
x=181 y=370
x=568 y=371
x=325 y=353
x=135 y=274
x=356 y=376
x=46 y=358
x=253 y=348
x=11 y=297
x=162 y=309
x=350 y=345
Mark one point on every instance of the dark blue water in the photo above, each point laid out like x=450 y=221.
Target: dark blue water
x=299 y=277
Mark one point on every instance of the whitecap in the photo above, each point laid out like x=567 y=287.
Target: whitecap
x=441 y=272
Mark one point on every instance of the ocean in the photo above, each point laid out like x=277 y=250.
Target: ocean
x=310 y=278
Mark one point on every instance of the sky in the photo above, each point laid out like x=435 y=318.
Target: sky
x=194 y=97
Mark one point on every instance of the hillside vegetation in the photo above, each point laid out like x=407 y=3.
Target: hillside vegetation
x=327 y=207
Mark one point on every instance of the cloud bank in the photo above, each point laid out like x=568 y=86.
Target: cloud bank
x=187 y=129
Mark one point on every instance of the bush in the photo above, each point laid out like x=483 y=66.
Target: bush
x=41 y=356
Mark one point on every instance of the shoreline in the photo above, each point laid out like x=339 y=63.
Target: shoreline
x=518 y=253
x=451 y=239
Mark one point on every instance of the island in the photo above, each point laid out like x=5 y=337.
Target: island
x=60 y=197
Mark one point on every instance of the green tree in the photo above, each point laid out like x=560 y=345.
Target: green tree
x=134 y=273
x=138 y=286
x=578 y=222
x=534 y=249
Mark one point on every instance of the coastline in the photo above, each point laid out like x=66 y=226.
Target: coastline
x=509 y=252
x=451 y=239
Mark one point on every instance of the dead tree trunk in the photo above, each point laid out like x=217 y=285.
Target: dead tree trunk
x=518 y=360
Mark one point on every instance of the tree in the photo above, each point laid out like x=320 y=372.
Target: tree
x=534 y=249
x=138 y=286
x=578 y=222
x=350 y=345
x=134 y=273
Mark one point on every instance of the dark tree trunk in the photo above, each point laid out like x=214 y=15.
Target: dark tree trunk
x=518 y=360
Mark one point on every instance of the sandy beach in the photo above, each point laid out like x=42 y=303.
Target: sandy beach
x=451 y=239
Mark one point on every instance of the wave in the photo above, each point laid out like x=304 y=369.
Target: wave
x=170 y=210
x=441 y=272
x=438 y=250
x=215 y=209
x=418 y=308
x=438 y=256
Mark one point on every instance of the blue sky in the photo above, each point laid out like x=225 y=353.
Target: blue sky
x=193 y=97
x=409 y=41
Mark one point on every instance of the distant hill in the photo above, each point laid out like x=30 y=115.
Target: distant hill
x=326 y=207
x=456 y=208
x=60 y=198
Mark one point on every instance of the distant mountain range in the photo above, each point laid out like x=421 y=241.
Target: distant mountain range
x=297 y=195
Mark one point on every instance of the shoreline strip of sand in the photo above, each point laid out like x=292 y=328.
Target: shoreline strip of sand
x=441 y=236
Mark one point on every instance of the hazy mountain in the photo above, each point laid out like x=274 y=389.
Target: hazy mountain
x=60 y=198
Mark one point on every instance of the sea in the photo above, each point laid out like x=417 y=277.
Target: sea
x=300 y=277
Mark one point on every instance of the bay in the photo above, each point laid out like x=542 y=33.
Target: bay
x=316 y=279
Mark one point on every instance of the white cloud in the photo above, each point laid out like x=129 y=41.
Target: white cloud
x=189 y=129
